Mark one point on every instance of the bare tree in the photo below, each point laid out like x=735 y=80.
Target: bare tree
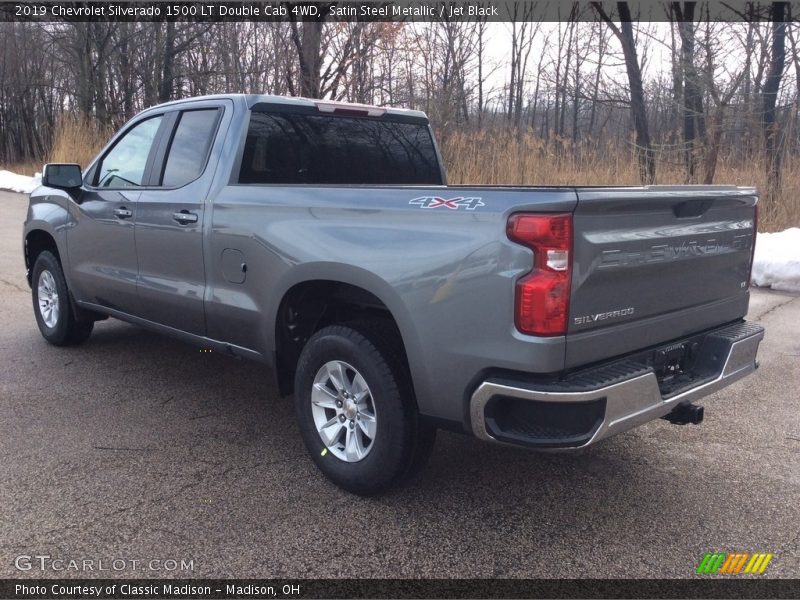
x=693 y=117
x=624 y=33
x=720 y=91
x=778 y=17
x=523 y=32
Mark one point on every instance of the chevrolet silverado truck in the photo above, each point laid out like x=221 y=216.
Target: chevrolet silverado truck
x=322 y=240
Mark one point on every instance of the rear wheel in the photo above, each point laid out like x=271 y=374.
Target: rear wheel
x=51 y=304
x=356 y=410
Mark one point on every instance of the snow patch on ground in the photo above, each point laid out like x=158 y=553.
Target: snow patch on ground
x=19 y=183
x=777 y=260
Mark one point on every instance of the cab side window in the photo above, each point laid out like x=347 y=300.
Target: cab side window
x=124 y=165
x=189 y=147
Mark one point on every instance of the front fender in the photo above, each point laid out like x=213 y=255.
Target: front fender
x=48 y=212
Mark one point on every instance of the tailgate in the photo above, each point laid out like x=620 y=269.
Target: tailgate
x=655 y=263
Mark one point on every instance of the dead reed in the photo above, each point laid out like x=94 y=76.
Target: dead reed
x=496 y=157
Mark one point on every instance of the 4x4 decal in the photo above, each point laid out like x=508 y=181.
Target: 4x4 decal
x=470 y=203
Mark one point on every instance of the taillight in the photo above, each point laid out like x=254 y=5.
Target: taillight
x=542 y=297
x=753 y=249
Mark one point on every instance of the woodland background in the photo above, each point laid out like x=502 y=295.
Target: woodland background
x=597 y=98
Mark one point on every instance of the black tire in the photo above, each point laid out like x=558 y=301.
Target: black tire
x=65 y=331
x=402 y=443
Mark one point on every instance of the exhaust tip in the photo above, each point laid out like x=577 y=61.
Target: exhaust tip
x=685 y=414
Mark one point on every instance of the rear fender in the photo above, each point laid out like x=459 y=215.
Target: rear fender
x=361 y=278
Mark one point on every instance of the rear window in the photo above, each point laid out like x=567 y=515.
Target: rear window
x=309 y=148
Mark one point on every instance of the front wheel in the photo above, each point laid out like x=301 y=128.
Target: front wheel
x=356 y=410
x=51 y=304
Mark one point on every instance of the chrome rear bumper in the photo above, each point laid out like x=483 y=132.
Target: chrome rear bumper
x=628 y=402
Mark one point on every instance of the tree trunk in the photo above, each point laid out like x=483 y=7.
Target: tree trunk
x=165 y=92
x=309 y=56
x=601 y=47
x=693 y=124
x=624 y=33
x=480 y=75
x=770 y=94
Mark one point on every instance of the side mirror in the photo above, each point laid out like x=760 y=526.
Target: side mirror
x=62 y=176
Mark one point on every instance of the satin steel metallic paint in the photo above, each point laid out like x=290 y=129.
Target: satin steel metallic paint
x=447 y=276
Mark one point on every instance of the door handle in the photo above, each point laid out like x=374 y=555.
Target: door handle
x=184 y=217
x=123 y=213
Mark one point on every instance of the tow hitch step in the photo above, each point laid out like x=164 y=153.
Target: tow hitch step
x=685 y=413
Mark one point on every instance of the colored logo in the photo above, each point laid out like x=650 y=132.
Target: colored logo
x=734 y=563
x=451 y=203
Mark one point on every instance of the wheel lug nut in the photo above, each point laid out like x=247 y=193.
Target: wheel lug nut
x=341 y=418
x=339 y=404
x=352 y=424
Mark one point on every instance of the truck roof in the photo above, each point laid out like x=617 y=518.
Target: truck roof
x=252 y=99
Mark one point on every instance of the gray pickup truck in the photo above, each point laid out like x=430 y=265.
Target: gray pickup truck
x=321 y=240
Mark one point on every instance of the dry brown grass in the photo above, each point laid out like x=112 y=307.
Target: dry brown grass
x=77 y=140
x=495 y=157
x=23 y=168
